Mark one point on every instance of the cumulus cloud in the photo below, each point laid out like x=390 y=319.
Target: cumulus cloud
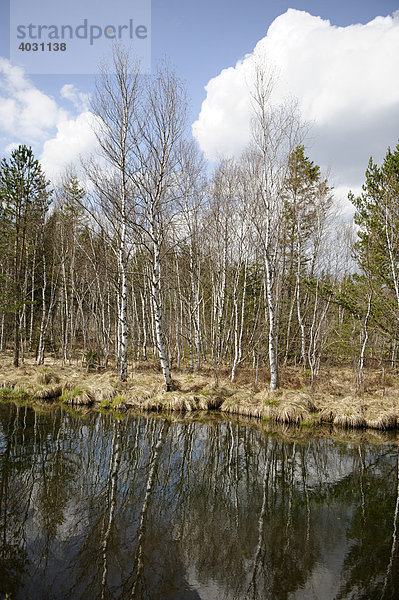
x=74 y=138
x=80 y=100
x=26 y=113
x=29 y=116
x=345 y=80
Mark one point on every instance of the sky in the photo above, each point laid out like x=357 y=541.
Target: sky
x=339 y=59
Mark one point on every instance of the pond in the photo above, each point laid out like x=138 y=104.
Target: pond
x=97 y=506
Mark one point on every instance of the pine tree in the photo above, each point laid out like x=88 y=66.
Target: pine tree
x=24 y=197
x=377 y=215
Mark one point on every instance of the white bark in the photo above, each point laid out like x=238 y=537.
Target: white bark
x=2 y=332
x=364 y=345
x=299 y=313
x=239 y=323
x=32 y=298
x=274 y=377
x=156 y=298
x=275 y=133
x=40 y=351
x=390 y=244
x=122 y=314
x=144 y=324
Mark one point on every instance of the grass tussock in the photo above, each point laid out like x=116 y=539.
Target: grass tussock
x=174 y=402
x=78 y=396
x=17 y=395
x=49 y=392
x=380 y=415
x=350 y=419
x=384 y=421
x=234 y=407
x=46 y=376
x=294 y=411
x=105 y=394
x=336 y=400
x=281 y=406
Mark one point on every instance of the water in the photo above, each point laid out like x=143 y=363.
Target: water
x=96 y=507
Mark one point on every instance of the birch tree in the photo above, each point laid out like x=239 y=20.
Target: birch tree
x=157 y=155
x=276 y=131
x=192 y=185
x=117 y=126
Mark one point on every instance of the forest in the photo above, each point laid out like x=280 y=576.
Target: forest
x=148 y=254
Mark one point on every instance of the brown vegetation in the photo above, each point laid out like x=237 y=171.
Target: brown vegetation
x=335 y=400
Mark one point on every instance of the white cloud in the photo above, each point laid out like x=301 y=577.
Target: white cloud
x=29 y=116
x=346 y=82
x=11 y=147
x=80 y=100
x=75 y=137
x=26 y=112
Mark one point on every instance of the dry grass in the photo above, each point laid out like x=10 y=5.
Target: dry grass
x=281 y=407
x=335 y=400
x=79 y=395
x=384 y=420
x=295 y=411
x=49 y=392
x=45 y=376
x=380 y=414
x=174 y=401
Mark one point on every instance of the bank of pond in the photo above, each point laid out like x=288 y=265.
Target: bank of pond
x=337 y=405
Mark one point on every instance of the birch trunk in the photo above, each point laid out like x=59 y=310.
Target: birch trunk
x=195 y=291
x=40 y=351
x=144 y=347
x=156 y=298
x=274 y=377
x=364 y=345
x=390 y=245
x=239 y=326
x=2 y=332
x=66 y=309
x=122 y=317
x=300 y=319
x=32 y=298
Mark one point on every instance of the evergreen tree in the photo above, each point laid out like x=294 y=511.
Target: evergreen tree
x=377 y=215
x=377 y=248
x=24 y=197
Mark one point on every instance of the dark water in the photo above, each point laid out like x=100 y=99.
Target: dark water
x=96 y=507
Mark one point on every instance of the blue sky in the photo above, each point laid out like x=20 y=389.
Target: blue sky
x=202 y=39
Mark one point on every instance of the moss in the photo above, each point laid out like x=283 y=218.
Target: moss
x=68 y=395
x=80 y=395
x=16 y=395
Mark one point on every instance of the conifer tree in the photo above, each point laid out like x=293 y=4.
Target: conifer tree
x=24 y=196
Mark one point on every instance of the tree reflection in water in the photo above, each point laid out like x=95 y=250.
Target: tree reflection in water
x=97 y=507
